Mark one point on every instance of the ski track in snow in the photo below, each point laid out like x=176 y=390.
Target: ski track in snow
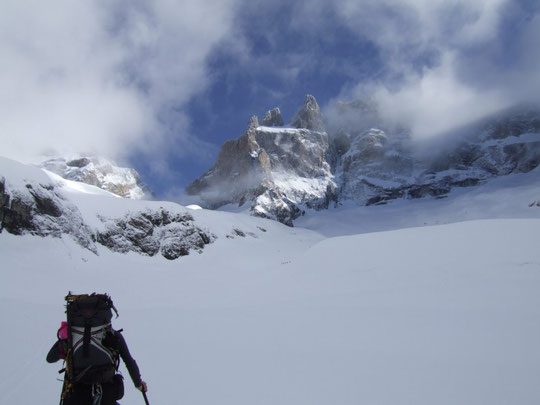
x=417 y=302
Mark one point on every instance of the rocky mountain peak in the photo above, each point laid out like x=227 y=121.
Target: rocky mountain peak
x=283 y=171
x=309 y=115
x=253 y=122
x=273 y=118
x=241 y=166
x=262 y=166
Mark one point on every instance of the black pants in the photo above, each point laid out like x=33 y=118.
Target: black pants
x=81 y=394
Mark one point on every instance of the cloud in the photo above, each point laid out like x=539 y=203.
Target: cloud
x=106 y=77
x=115 y=77
x=445 y=63
x=436 y=101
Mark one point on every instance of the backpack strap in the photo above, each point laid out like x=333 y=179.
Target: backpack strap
x=90 y=337
x=86 y=340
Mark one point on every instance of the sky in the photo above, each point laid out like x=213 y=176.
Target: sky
x=160 y=85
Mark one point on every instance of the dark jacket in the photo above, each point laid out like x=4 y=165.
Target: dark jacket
x=113 y=340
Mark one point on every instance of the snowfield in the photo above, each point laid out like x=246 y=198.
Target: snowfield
x=417 y=302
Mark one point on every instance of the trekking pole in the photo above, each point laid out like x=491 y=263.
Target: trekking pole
x=145 y=398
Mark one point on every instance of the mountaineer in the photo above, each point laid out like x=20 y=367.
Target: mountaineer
x=92 y=349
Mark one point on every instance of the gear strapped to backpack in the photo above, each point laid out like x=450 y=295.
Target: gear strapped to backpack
x=88 y=360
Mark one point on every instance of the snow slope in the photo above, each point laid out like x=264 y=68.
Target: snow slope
x=437 y=314
x=502 y=197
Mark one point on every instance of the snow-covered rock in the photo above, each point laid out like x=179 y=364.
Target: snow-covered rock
x=33 y=202
x=36 y=207
x=282 y=171
x=279 y=171
x=173 y=234
x=373 y=166
x=100 y=172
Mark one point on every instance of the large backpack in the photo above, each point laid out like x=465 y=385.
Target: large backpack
x=88 y=360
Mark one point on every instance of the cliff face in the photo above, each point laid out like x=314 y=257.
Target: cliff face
x=375 y=166
x=277 y=170
x=282 y=171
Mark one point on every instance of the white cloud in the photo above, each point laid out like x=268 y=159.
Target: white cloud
x=114 y=76
x=445 y=61
x=436 y=101
x=107 y=77
x=397 y=25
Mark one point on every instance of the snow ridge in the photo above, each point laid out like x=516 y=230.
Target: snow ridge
x=33 y=203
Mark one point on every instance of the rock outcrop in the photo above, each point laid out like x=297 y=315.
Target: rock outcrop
x=240 y=170
x=39 y=209
x=373 y=165
x=273 y=118
x=309 y=115
x=33 y=204
x=152 y=232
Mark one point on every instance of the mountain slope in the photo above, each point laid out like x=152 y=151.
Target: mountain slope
x=281 y=172
x=269 y=314
x=444 y=314
x=36 y=202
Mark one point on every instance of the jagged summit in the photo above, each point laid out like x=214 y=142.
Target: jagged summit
x=100 y=172
x=253 y=122
x=240 y=166
x=273 y=118
x=276 y=170
x=282 y=171
x=309 y=115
